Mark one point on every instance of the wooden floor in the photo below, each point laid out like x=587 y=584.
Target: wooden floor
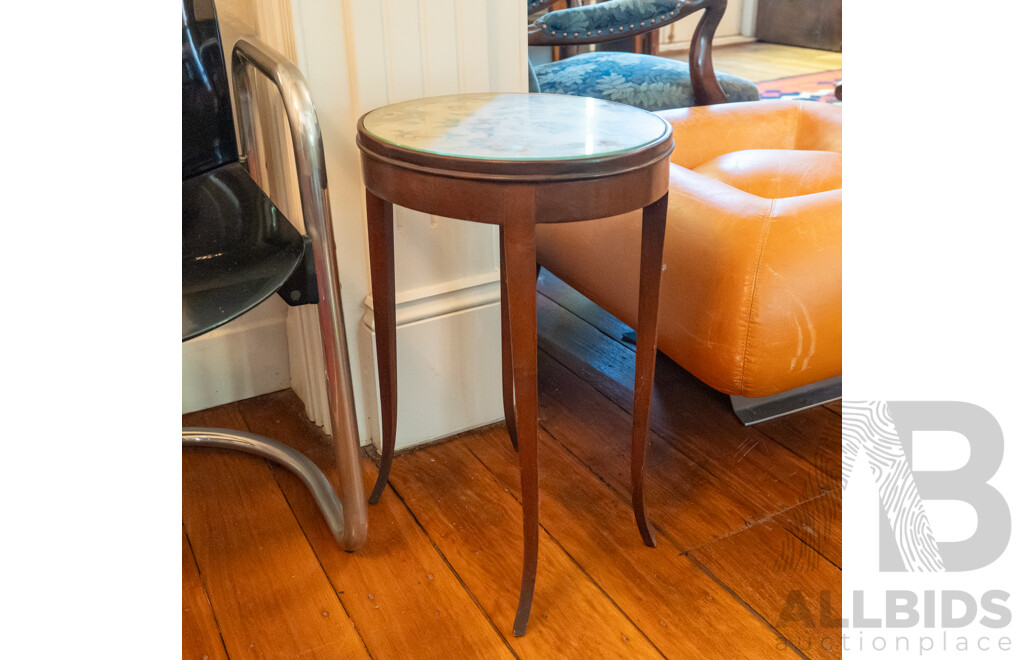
x=758 y=62
x=749 y=523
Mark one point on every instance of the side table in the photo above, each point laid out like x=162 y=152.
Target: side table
x=514 y=160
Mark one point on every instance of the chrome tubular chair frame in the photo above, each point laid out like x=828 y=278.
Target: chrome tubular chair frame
x=346 y=515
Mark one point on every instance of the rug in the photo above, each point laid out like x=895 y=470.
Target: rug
x=813 y=87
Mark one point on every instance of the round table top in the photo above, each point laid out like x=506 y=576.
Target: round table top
x=516 y=127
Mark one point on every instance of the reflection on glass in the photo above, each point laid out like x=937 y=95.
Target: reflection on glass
x=515 y=126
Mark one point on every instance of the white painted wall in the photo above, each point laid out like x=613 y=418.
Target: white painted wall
x=361 y=54
x=734 y=27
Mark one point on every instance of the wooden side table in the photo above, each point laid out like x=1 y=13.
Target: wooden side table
x=514 y=160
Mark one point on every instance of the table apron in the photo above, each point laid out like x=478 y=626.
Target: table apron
x=484 y=200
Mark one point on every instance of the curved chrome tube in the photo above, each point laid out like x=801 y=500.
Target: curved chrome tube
x=252 y=53
x=294 y=460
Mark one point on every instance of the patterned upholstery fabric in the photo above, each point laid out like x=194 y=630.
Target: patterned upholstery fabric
x=533 y=82
x=643 y=81
x=612 y=17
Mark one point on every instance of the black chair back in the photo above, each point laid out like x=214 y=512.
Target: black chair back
x=237 y=247
x=207 y=129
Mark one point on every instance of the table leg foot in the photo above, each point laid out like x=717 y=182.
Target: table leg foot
x=525 y=603
x=382 y=476
x=381 y=233
x=651 y=252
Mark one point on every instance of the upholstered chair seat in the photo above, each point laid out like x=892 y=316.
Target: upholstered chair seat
x=643 y=81
x=751 y=295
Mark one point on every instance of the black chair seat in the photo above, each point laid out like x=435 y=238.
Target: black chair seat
x=237 y=248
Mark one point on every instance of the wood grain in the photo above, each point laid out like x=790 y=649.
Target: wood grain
x=686 y=502
x=200 y=639
x=476 y=523
x=520 y=249
x=573 y=301
x=398 y=587
x=691 y=416
x=759 y=62
x=815 y=435
x=652 y=242
x=381 y=238
x=818 y=523
x=766 y=567
x=682 y=611
x=267 y=588
x=445 y=579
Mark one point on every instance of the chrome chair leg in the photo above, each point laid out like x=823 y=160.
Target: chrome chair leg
x=252 y=54
x=295 y=461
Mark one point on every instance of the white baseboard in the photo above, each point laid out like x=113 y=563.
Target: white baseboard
x=449 y=368
x=245 y=358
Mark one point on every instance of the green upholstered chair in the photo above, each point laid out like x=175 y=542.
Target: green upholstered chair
x=641 y=80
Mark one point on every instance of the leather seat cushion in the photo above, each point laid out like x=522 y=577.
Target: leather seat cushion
x=751 y=291
x=777 y=173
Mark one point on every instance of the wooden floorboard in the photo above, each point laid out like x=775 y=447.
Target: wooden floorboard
x=477 y=523
x=818 y=523
x=680 y=609
x=684 y=500
x=398 y=587
x=439 y=576
x=759 y=62
x=200 y=637
x=767 y=568
x=814 y=435
x=266 y=586
x=684 y=412
x=573 y=301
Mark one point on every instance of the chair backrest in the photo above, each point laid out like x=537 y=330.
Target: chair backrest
x=610 y=21
x=237 y=247
x=207 y=129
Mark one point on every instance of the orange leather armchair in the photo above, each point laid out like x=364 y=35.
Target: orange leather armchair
x=751 y=295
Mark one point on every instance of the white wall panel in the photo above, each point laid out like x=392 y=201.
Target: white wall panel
x=361 y=54
x=678 y=35
x=439 y=47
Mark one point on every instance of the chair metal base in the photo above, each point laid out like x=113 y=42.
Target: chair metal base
x=257 y=445
x=761 y=409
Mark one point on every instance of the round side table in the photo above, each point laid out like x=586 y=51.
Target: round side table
x=514 y=160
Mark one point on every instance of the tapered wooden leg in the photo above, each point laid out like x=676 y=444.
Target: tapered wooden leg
x=520 y=253
x=507 y=385
x=651 y=248
x=381 y=231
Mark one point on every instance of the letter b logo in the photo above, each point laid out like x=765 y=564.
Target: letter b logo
x=883 y=431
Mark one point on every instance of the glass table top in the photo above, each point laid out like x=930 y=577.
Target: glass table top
x=527 y=127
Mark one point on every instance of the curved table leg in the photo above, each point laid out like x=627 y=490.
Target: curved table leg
x=520 y=252
x=381 y=232
x=651 y=249
x=507 y=384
